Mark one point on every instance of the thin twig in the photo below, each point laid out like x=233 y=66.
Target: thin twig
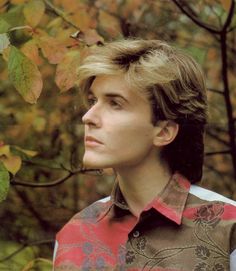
x=60 y=13
x=217 y=152
x=195 y=19
x=58 y=181
x=216 y=91
x=229 y=17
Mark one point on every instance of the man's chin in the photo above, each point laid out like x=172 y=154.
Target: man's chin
x=88 y=163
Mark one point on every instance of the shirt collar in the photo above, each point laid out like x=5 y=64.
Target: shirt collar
x=170 y=202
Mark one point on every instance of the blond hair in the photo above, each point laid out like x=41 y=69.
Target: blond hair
x=172 y=81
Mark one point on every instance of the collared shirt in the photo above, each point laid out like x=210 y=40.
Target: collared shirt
x=184 y=228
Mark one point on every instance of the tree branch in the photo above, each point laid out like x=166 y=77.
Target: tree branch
x=228 y=102
x=30 y=244
x=58 y=181
x=60 y=13
x=229 y=17
x=195 y=19
x=216 y=91
x=217 y=152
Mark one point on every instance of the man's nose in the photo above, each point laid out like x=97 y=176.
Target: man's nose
x=91 y=117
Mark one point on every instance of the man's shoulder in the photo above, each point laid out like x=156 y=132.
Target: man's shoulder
x=93 y=210
x=207 y=208
x=86 y=217
x=209 y=196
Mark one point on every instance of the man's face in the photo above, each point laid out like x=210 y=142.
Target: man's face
x=118 y=128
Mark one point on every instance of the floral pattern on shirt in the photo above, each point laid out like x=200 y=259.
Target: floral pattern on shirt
x=177 y=231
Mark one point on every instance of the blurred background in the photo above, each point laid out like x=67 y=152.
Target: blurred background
x=41 y=136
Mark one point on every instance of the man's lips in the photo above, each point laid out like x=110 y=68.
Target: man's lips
x=90 y=139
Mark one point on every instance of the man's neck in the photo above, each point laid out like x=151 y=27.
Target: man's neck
x=140 y=185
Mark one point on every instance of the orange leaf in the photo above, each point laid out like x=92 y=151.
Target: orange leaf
x=66 y=71
x=12 y=163
x=91 y=37
x=30 y=49
x=226 y=4
x=81 y=19
x=34 y=11
x=52 y=49
x=3 y=5
x=109 y=23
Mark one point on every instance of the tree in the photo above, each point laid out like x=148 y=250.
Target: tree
x=42 y=43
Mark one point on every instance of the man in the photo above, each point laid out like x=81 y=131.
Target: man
x=146 y=117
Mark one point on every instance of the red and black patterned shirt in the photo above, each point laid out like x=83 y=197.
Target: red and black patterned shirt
x=184 y=228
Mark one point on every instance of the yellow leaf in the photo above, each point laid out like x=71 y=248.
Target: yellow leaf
x=12 y=163
x=52 y=49
x=34 y=11
x=66 y=71
x=27 y=152
x=226 y=4
x=5 y=150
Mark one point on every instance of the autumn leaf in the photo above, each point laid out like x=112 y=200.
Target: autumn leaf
x=33 y=12
x=66 y=71
x=27 y=152
x=52 y=49
x=4 y=150
x=4 y=182
x=24 y=75
x=81 y=19
x=4 y=42
x=12 y=163
x=3 y=5
x=109 y=23
x=226 y=4
x=31 y=50
x=90 y=37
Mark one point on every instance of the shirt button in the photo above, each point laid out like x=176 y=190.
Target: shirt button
x=136 y=234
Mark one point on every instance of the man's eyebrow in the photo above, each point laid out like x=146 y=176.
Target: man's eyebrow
x=110 y=95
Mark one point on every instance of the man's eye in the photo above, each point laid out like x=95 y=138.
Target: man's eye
x=115 y=104
x=91 y=101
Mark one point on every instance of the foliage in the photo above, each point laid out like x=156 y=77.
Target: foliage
x=42 y=43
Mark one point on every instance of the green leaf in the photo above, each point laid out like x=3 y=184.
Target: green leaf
x=4 y=26
x=24 y=75
x=4 y=42
x=34 y=11
x=14 y=17
x=4 y=182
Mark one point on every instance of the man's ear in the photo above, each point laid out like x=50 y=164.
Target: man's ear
x=165 y=132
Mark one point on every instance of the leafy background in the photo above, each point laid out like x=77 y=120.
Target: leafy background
x=42 y=42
